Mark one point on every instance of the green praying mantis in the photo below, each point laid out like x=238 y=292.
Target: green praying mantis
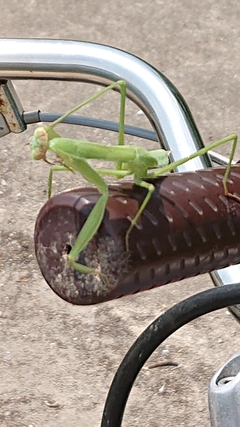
x=136 y=161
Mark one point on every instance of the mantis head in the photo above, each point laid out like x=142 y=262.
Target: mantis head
x=39 y=143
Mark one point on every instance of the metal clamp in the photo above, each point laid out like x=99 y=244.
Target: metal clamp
x=224 y=394
x=11 y=110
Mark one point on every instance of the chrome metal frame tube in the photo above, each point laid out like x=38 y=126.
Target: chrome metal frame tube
x=224 y=394
x=147 y=87
x=89 y=62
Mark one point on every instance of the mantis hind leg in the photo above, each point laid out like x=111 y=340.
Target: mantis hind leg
x=171 y=166
x=233 y=138
x=150 y=189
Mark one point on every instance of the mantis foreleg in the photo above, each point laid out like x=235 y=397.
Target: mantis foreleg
x=87 y=232
x=95 y=218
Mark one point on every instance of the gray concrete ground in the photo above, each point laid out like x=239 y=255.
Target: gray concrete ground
x=57 y=361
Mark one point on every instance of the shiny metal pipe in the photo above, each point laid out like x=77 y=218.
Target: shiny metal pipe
x=89 y=62
x=147 y=87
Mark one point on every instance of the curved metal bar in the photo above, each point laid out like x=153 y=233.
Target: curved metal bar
x=147 y=87
x=89 y=62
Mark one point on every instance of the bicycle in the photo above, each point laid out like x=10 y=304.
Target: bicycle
x=79 y=61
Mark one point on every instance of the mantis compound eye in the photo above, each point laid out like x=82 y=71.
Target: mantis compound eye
x=189 y=227
x=39 y=143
